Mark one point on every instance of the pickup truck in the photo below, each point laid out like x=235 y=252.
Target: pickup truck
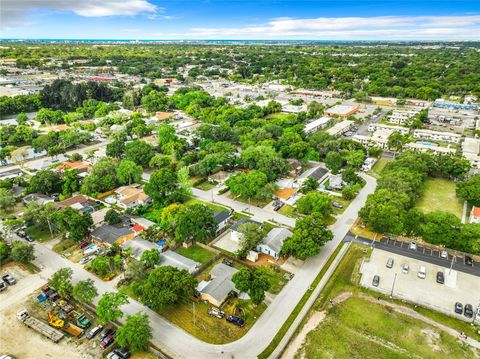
x=39 y=326
x=83 y=321
x=7 y=278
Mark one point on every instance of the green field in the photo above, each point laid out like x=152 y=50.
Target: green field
x=358 y=328
x=379 y=166
x=439 y=195
x=196 y=253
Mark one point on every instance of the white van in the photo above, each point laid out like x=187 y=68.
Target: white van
x=422 y=272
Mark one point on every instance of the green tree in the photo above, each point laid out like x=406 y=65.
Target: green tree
x=139 y=152
x=166 y=285
x=252 y=234
x=155 y=101
x=309 y=236
x=61 y=280
x=71 y=182
x=135 y=334
x=470 y=190
x=150 y=257
x=112 y=217
x=441 y=228
x=7 y=200
x=334 y=161
x=116 y=148
x=162 y=185
x=194 y=223
x=264 y=159
x=46 y=182
x=315 y=201
x=102 y=265
x=160 y=161
x=5 y=250
x=84 y=291
x=128 y=172
x=254 y=282
x=250 y=185
x=108 y=308
x=103 y=177
x=22 y=252
x=184 y=181
x=75 y=223
x=310 y=184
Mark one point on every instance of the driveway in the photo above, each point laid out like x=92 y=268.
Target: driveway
x=177 y=343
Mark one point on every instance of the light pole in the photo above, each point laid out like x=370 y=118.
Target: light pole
x=393 y=284
x=451 y=264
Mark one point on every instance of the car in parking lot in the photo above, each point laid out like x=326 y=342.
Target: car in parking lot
x=119 y=353
x=440 y=277
x=413 y=246
x=376 y=280
x=477 y=316
x=85 y=259
x=336 y=205
x=94 y=332
x=390 y=262
x=468 y=261
x=422 y=272
x=458 y=308
x=444 y=254
x=8 y=279
x=277 y=205
x=405 y=268
x=468 y=311
x=107 y=341
x=105 y=332
x=239 y=322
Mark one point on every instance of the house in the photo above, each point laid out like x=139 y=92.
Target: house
x=316 y=125
x=317 y=173
x=340 y=128
x=273 y=242
x=336 y=182
x=373 y=127
x=145 y=223
x=138 y=246
x=79 y=202
x=40 y=199
x=399 y=117
x=11 y=174
x=71 y=201
x=220 y=177
x=217 y=289
x=471 y=151
x=475 y=215
x=429 y=147
x=98 y=217
x=80 y=167
x=221 y=218
x=235 y=234
x=130 y=196
x=107 y=235
x=171 y=258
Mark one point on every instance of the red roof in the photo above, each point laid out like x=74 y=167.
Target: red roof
x=476 y=211
x=137 y=228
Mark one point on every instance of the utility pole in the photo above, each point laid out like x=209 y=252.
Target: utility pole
x=451 y=264
x=393 y=285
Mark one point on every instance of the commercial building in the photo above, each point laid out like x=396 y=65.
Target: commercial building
x=430 y=135
x=340 y=128
x=342 y=110
x=471 y=151
x=399 y=117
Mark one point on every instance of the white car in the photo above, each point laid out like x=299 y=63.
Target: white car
x=405 y=268
x=413 y=246
x=422 y=272
x=444 y=254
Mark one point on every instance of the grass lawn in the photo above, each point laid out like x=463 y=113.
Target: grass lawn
x=288 y=211
x=249 y=202
x=439 y=195
x=379 y=166
x=344 y=202
x=39 y=233
x=368 y=330
x=361 y=230
x=276 y=277
x=153 y=213
x=196 y=253
x=214 y=207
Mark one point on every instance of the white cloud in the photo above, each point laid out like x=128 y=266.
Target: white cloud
x=350 y=28
x=13 y=12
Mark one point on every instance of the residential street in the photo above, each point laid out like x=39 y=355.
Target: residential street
x=179 y=344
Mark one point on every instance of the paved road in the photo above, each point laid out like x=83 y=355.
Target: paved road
x=179 y=344
x=422 y=253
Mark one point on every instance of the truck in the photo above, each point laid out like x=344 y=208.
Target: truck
x=83 y=321
x=73 y=330
x=39 y=326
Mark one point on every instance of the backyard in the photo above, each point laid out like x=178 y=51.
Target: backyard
x=439 y=195
x=379 y=166
x=196 y=253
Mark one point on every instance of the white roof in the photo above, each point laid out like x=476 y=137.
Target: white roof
x=316 y=123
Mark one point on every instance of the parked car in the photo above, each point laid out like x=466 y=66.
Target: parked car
x=458 y=308
x=376 y=280
x=390 y=262
x=215 y=312
x=422 y=272
x=413 y=246
x=56 y=197
x=277 y=205
x=477 y=316
x=3 y=286
x=8 y=279
x=107 y=341
x=336 y=205
x=468 y=311
x=227 y=262
x=106 y=332
x=29 y=239
x=469 y=261
x=21 y=233
x=83 y=244
x=85 y=259
x=122 y=353
x=239 y=322
x=444 y=254
x=405 y=268
x=440 y=277
x=91 y=334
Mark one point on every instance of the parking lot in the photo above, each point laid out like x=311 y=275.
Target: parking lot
x=459 y=287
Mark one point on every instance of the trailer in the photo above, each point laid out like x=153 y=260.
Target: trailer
x=39 y=326
x=73 y=330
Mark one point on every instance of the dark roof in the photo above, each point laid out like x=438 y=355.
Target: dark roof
x=242 y=221
x=221 y=216
x=14 y=172
x=110 y=234
x=318 y=173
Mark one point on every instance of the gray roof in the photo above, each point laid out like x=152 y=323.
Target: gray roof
x=171 y=258
x=221 y=216
x=275 y=238
x=37 y=197
x=221 y=284
x=315 y=173
x=14 y=172
x=110 y=234
x=242 y=221
x=139 y=246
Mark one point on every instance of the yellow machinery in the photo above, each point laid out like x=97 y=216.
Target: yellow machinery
x=54 y=321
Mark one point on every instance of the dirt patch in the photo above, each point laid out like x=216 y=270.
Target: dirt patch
x=432 y=338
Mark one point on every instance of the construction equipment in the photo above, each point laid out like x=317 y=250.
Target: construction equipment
x=83 y=321
x=73 y=330
x=65 y=306
x=39 y=326
x=54 y=321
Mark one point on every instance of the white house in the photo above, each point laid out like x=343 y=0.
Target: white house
x=273 y=242
x=316 y=125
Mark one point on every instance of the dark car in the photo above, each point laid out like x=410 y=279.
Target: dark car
x=107 y=340
x=468 y=261
x=29 y=239
x=458 y=308
x=21 y=233
x=239 y=322
x=228 y=262
x=106 y=332
x=122 y=353
x=56 y=197
x=277 y=205
x=376 y=280
x=468 y=311
x=440 y=278
x=94 y=332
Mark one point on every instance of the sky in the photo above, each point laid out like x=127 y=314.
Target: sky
x=241 y=19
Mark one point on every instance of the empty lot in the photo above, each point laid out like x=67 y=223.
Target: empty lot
x=459 y=287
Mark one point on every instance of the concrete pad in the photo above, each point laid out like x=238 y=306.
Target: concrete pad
x=450 y=278
x=227 y=244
